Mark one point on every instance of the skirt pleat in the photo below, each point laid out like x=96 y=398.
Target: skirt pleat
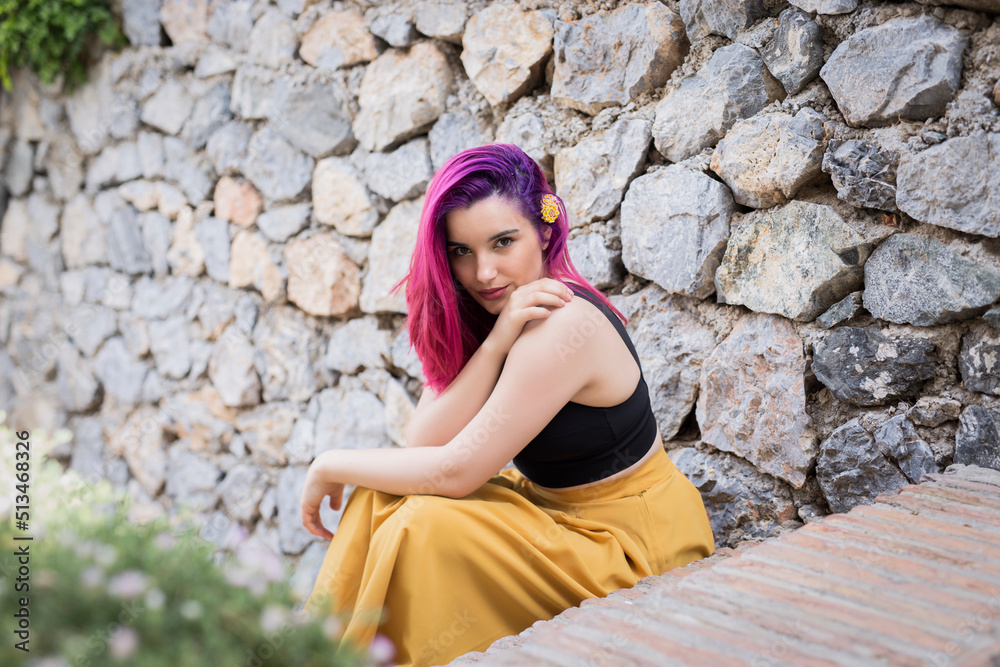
x=442 y=576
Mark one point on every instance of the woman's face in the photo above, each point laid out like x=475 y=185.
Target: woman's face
x=492 y=250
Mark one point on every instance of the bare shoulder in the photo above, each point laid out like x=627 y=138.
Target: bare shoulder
x=577 y=321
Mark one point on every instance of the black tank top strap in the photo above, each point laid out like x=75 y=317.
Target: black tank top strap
x=615 y=320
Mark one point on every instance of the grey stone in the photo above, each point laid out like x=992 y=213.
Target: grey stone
x=84 y=236
x=160 y=299
x=898 y=440
x=241 y=491
x=273 y=40
x=171 y=346
x=152 y=158
x=103 y=169
x=231 y=23
x=611 y=59
x=349 y=419
x=767 y=159
x=979 y=360
x=719 y=17
x=79 y=390
x=842 y=311
x=134 y=332
x=752 y=399
x=599 y=264
x=992 y=6
x=187 y=169
x=977 y=441
x=341 y=199
x=866 y=367
x=121 y=375
x=356 y=344
x=266 y=428
x=955 y=184
x=826 y=6
x=852 y=470
x=89 y=325
x=275 y=167
x=396 y=29
x=672 y=343
x=443 y=20
x=214 y=61
x=527 y=132
x=933 y=411
x=18 y=171
x=795 y=261
x=592 y=176
x=504 y=49
x=864 y=175
x=140 y=442
x=915 y=280
x=742 y=503
x=794 y=55
x=455 y=132
x=210 y=112
x=283 y=222
x=401 y=174
x=64 y=165
x=338 y=39
x=287 y=351
x=156 y=239
x=405 y=357
x=257 y=93
x=191 y=480
x=129 y=164
x=914 y=80
x=88 y=448
x=87 y=110
x=231 y=369
x=168 y=108
x=292 y=534
x=301 y=443
x=126 y=250
x=316 y=120
x=401 y=95
x=393 y=242
x=733 y=84
x=227 y=146
x=675 y=224
x=213 y=234
x=141 y=22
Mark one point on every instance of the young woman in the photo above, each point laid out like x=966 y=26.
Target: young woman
x=524 y=360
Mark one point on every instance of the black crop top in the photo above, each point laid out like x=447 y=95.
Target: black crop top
x=583 y=443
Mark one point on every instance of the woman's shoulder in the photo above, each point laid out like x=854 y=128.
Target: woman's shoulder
x=577 y=318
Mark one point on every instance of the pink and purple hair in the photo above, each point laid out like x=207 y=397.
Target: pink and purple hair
x=445 y=323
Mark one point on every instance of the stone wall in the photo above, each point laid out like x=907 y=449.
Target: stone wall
x=796 y=206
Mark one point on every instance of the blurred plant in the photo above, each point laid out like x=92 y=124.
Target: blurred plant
x=54 y=37
x=104 y=591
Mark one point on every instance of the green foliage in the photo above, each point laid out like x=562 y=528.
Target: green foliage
x=104 y=591
x=54 y=37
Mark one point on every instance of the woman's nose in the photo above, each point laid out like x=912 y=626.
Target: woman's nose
x=485 y=271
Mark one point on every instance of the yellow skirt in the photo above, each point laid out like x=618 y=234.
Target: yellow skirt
x=451 y=576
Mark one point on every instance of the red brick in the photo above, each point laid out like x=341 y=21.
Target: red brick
x=785 y=619
x=959 y=483
x=890 y=514
x=964 y=496
x=956 y=512
x=903 y=565
x=949 y=540
x=873 y=577
x=933 y=552
x=903 y=637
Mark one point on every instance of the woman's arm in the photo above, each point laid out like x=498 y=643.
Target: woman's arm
x=540 y=376
x=438 y=419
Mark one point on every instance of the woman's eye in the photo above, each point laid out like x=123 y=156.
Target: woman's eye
x=501 y=244
x=458 y=252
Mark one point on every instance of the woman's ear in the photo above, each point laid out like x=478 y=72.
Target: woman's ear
x=546 y=235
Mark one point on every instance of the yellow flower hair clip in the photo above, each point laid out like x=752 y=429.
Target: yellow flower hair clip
x=550 y=208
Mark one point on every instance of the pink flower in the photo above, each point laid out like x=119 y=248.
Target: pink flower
x=123 y=643
x=382 y=650
x=128 y=584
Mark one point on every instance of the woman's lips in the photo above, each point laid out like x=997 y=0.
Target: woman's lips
x=493 y=294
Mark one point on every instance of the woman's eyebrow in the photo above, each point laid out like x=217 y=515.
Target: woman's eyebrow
x=506 y=232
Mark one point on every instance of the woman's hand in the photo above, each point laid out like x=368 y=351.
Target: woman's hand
x=532 y=301
x=316 y=488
